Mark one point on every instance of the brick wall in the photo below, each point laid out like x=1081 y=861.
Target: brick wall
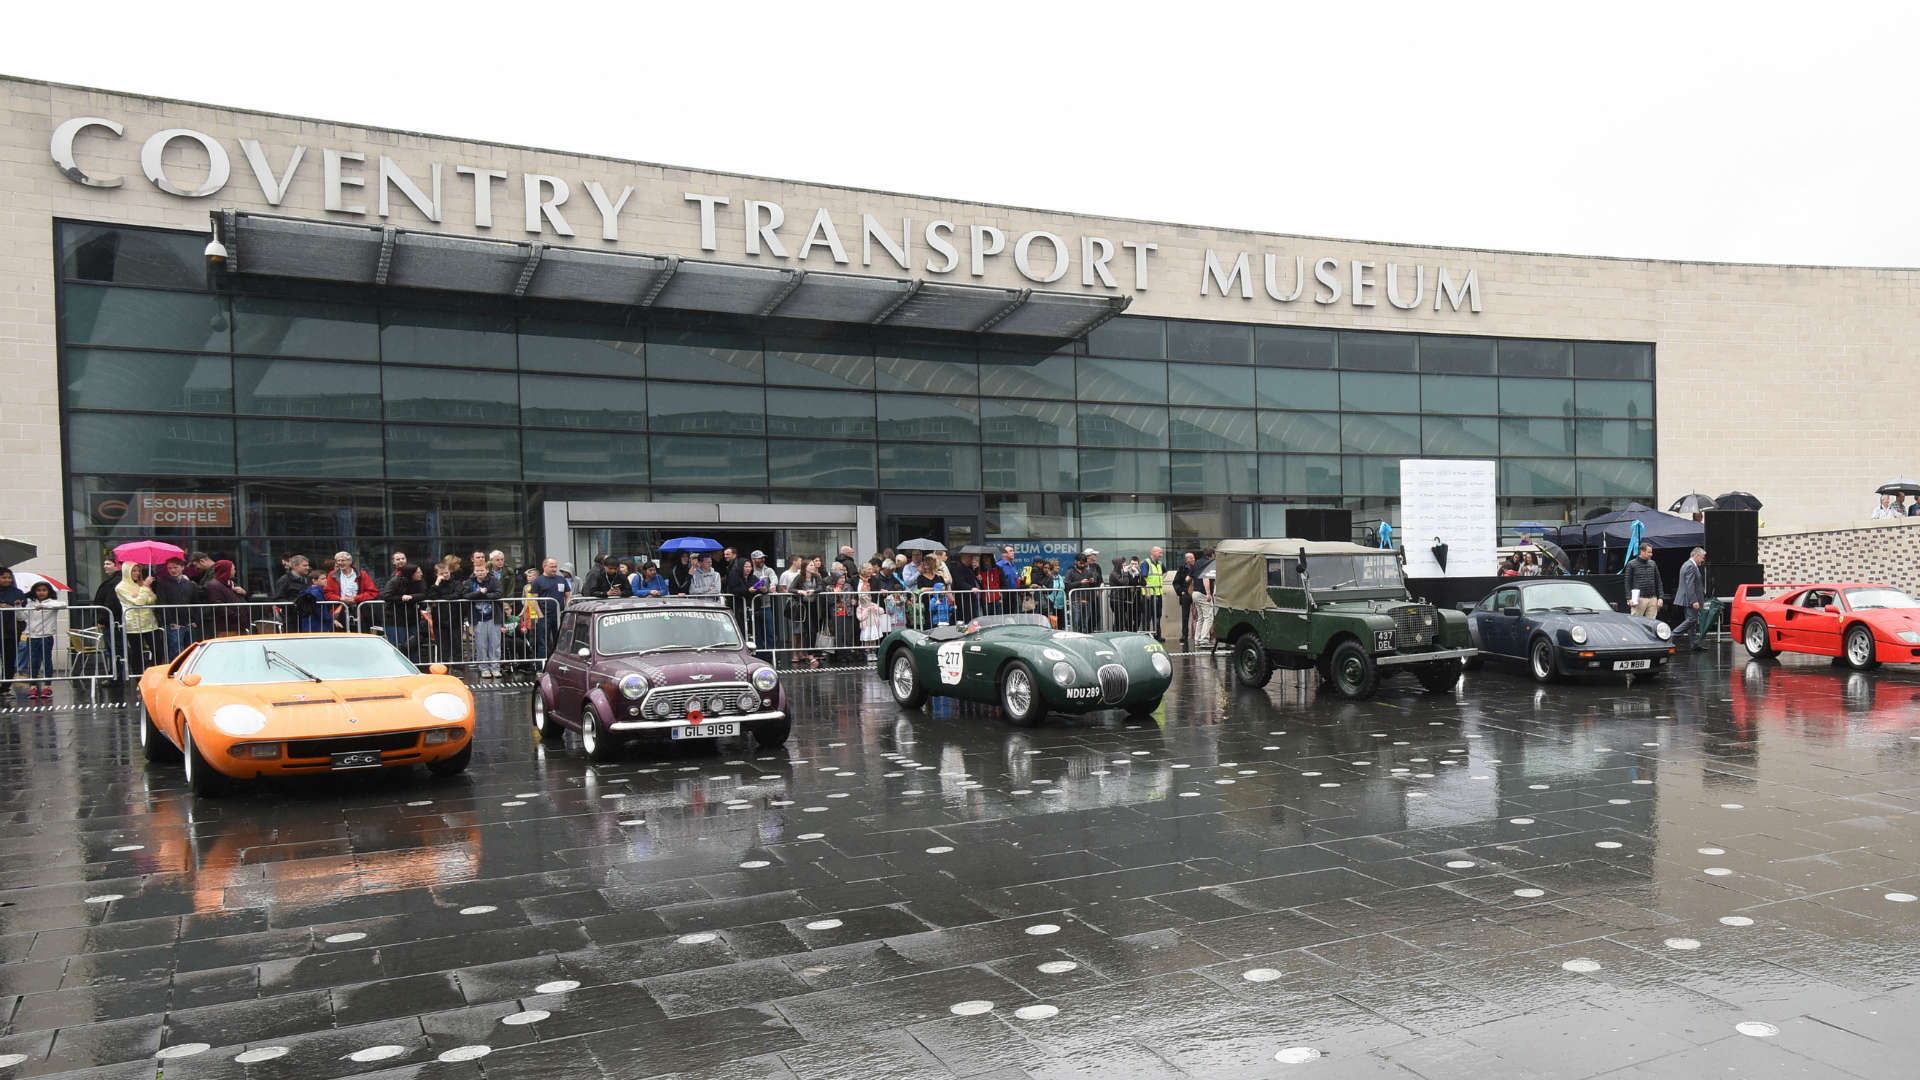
x=1882 y=552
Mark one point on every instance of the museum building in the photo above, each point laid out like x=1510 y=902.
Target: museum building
x=433 y=344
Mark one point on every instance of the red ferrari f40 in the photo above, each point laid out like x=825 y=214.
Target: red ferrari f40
x=1865 y=625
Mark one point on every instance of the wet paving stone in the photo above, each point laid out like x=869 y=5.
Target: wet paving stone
x=1508 y=880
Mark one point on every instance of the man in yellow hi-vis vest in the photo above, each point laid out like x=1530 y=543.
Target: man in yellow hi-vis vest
x=1152 y=592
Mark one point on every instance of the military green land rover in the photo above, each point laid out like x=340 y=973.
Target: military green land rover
x=1341 y=608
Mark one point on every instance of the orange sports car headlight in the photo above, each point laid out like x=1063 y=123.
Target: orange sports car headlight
x=441 y=735
x=239 y=720
x=445 y=706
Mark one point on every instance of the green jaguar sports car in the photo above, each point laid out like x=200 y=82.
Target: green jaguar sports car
x=1024 y=665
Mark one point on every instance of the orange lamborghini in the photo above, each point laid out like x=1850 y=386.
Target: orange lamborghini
x=295 y=704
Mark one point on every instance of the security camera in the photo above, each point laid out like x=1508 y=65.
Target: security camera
x=216 y=251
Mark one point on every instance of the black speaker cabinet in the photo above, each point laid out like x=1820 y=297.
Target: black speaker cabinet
x=1733 y=536
x=1319 y=523
x=1725 y=577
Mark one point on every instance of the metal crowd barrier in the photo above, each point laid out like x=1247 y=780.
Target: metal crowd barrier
x=176 y=626
x=487 y=637
x=71 y=644
x=832 y=628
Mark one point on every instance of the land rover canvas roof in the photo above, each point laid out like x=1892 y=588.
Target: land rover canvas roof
x=1241 y=565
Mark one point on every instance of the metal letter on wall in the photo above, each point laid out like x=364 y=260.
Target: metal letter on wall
x=62 y=150
x=152 y=161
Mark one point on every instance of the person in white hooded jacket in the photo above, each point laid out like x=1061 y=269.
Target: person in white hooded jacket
x=43 y=622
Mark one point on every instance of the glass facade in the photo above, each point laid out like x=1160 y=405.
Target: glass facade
x=434 y=424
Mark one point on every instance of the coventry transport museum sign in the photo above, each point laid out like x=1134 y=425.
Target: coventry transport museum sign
x=761 y=229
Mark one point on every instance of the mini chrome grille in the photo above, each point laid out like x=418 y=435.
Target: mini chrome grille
x=1414 y=626
x=1113 y=683
x=715 y=698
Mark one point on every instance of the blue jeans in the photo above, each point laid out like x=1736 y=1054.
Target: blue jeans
x=178 y=638
x=397 y=635
x=39 y=659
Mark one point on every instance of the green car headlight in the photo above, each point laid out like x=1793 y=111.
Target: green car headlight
x=1161 y=665
x=1063 y=674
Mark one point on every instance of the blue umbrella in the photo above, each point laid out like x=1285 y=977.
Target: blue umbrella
x=691 y=543
x=1633 y=544
x=1386 y=535
x=1532 y=527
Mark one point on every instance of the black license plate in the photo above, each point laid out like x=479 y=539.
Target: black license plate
x=357 y=759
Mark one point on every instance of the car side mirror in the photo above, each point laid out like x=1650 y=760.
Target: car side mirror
x=191 y=679
x=584 y=653
x=1510 y=612
x=1833 y=609
x=437 y=669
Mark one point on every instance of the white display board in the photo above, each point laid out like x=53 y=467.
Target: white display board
x=1454 y=501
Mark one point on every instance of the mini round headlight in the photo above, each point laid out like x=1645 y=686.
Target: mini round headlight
x=764 y=680
x=1578 y=634
x=1162 y=665
x=633 y=687
x=749 y=701
x=661 y=707
x=1063 y=674
x=1663 y=630
x=445 y=707
x=239 y=720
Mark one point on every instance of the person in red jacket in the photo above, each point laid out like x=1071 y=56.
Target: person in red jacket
x=348 y=586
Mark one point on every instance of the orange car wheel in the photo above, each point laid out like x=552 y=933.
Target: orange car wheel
x=452 y=766
x=201 y=777
x=154 y=745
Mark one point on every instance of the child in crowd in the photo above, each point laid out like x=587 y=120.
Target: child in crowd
x=43 y=622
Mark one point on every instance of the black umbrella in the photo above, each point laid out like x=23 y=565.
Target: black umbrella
x=920 y=545
x=1440 y=552
x=1689 y=504
x=1743 y=500
x=1556 y=553
x=1901 y=486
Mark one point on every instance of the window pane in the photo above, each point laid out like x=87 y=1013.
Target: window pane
x=1043 y=423
x=1457 y=355
x=1363 y=351
x=1299 y=475
x=1201 y=518
x=1209 y=342
x=1534 y=478
x=104 y=379
x=1011 y=375
x=1212 y=384
x=303 y=448
x=581 y=348
x=1536 y=397
x=1453 y=435
x=1286 y=346
x=1123 y=470
x=558 y=401
x=705 y=410
x=928 y=369
x=1362 y=433
x=1616 y=479
x=1282 y=388
x=1038 y=517
x=447 y=338
x=461 y=396
x=1012 y=467
x=306 y=388
x=1535 y=357
x=1143 y=381
x=1211 y=429
x=1123 y=425
x=1304 y=432
x=812 y=364
x=587 y=457
x=1459 y=394
x=1104 y=518
x=133 y=256
x=691 y=461
x=810 y=465
x=1615 y=438
x=694 y=354
x=1603 y=398
x=297 y=328
x=1536 y=437
x=1216 y=474
x=1364 y=392
x=107 y=443
x=1130 y=337
x=941 y=468
x=929 y=419
x=1371 y=475
x=143 y=318
x=425 y=452
x=1609 y=360
x=835 y=414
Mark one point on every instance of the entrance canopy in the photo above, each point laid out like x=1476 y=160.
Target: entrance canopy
x=262 y=245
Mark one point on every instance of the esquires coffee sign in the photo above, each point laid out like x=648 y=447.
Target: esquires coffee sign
x=161 y=509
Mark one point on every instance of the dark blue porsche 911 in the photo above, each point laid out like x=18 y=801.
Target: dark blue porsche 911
x=1563 y=626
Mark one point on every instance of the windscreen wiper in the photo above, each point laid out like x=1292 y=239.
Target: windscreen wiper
x=274 y=656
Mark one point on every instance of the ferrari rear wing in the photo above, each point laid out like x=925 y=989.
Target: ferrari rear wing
x=1752 y=592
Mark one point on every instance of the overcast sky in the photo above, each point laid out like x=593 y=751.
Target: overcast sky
x=1722 y=131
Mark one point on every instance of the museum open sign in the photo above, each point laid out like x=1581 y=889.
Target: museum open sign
x=185 y=510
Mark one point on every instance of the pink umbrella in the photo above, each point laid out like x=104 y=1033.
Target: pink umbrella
x=148 y=552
